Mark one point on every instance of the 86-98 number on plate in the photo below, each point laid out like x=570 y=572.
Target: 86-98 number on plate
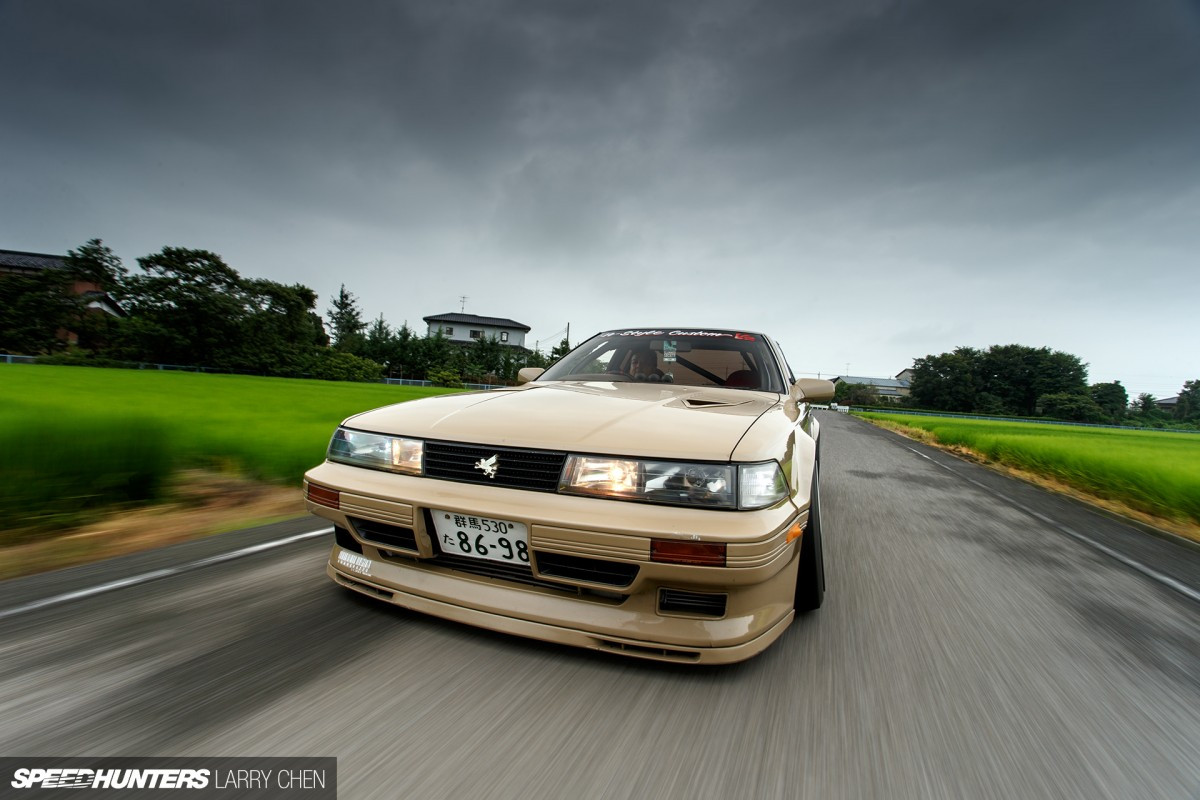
x=481 y=537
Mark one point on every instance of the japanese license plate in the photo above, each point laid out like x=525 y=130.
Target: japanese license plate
x=481 y=537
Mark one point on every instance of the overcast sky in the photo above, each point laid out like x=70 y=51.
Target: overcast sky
x=870 y=181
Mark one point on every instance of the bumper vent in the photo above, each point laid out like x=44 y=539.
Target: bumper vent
x=392 y=537
x=345 y=540
x=535 y=470
x=699 y=604
x=592 y=570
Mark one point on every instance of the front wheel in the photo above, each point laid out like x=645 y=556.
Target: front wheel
x=810 y=577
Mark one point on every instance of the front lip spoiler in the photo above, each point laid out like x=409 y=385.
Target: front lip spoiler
x=559 y=634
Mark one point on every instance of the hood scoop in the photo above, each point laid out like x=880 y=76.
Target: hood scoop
x=711 y=402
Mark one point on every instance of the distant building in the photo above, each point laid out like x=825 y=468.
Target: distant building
x=465 y=328
x=888 y=389
x=1167 y=404
x=18 y=262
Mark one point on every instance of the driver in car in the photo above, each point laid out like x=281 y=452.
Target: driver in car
x=643 y=366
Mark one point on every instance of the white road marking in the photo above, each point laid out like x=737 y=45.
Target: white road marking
x=154 y=575
x=1153 y=574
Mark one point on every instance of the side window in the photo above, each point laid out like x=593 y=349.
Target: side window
x=476 y=334
x=602 y=363
x=504 y=336
x=448 y=331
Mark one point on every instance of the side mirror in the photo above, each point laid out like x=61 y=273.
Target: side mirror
x=528 y=374
x=811 y=390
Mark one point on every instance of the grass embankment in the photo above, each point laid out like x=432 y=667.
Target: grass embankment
x=1150 y=473
x=77 y=442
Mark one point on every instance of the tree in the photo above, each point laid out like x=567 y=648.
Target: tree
x=945 y=382
x=97 y=268
x=188 y=308
x=280 y=330
x=1004 y=379
x=445 y=377
x=535 y=358
x=855 y=394
x=560 y=350
x=1018 y=375
x=1112 y=399
x=511 y=362
x=1056 y=371
x=328 y=364
x=485 y=357
x=1071 y=406
x=380 y=343
x=432 y=353
x=988 y=403
x=346 y=323
x=96 y=263
x=1147 y=405
x=405 y=347
x=1187 y=407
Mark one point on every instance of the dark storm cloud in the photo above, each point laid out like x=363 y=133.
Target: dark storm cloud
x=972 y=143
x=452 y=79
x=934 y=91
x=882 y=90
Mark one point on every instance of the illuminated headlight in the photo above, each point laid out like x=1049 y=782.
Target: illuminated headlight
x=760 y=485
x=376 y=451
x=709 y=485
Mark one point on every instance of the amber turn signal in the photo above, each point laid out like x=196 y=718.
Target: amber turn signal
x=702 y=554
x=322 y=496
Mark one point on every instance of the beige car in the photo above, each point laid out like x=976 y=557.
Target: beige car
x=654 y=494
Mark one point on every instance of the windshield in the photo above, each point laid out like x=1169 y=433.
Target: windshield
x=688 y=357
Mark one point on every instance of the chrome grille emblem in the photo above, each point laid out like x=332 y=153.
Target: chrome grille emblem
x=488 y=465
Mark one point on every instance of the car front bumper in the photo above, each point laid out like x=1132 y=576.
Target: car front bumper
x=744 y=606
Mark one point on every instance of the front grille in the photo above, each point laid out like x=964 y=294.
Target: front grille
x=518 y=573
x=701 y=604
x=535 y=470
x=593 y=570
x=390 y=536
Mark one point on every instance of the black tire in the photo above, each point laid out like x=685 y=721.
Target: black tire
x=810 y=576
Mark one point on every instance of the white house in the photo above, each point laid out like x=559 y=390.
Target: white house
x=468 y=327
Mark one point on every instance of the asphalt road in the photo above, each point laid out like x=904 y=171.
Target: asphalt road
x=970 y=646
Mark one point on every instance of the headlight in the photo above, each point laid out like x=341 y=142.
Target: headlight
x=392 y=453
x=677 y=483
x=760 y=485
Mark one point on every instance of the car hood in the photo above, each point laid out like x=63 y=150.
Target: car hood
x=635 y=419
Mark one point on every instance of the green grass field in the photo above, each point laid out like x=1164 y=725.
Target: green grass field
x=1154 y=472
x=76 y=440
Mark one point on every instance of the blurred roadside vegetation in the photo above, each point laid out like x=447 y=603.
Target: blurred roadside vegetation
x=1153 y=472
x=76 y=443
